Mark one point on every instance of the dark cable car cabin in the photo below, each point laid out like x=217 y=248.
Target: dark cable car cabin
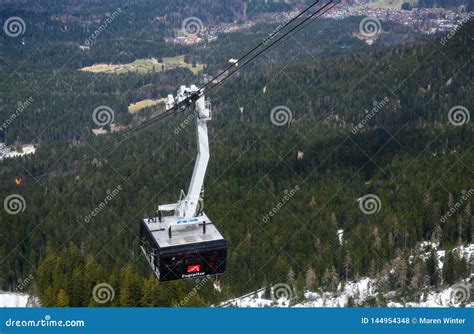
x=186 y=244
x=183 y=252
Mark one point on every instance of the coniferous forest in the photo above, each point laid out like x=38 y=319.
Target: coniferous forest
x=407 y=152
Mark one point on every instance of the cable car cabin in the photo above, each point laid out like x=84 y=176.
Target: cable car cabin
x=186 y=244
x=174 y=252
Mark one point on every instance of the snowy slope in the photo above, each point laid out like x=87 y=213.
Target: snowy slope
x=11 y=299
x=359 y=291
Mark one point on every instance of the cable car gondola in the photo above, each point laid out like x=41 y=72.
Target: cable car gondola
x=186 y=244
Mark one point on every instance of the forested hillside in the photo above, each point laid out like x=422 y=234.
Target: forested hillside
x=408 y=154
x=64 y=97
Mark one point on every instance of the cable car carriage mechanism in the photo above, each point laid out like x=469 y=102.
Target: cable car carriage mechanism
x=185 y=243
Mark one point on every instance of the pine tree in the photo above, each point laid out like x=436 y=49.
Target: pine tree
x=153 y=293
x=347 y=265
x=62 y=299
x=448 y=268
x=461 y=267
x=377 y=239
x=310 y=279
x=417 y=277
x=130 y=290
x=48 y=298
x=432 y=271
x=290 y=278
x=300 y=284
x=372 y=269
x=334 y=220
x=149 y=289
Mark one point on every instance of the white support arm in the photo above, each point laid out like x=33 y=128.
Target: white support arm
x=195 y=186
x=188 y=207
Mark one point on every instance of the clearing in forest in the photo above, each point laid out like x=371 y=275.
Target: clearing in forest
x=145 y=66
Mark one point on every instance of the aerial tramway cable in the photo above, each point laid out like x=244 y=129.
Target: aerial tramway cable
x=117 y=140
x=321 y=11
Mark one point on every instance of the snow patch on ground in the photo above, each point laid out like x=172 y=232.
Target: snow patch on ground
x=366 y=287
x=256 y=299
x=425 y=247
x=359 y=291
x=8 y=152
x=12 y=299
x=444 y=298
x=340 y=235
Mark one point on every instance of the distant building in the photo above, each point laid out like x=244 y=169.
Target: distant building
x=99 y=132
x=300 y=155
x=117 y=127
